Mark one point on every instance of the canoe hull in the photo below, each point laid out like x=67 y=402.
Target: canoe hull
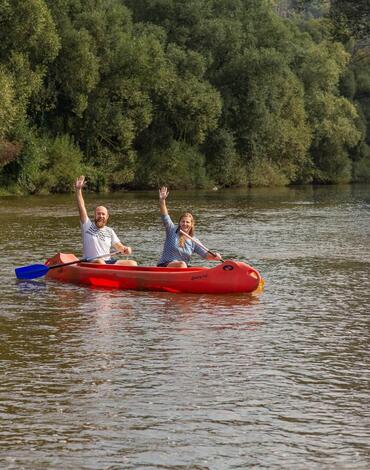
x=227 y=277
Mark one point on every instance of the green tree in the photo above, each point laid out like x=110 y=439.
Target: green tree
x=351 y=18
x=28 y=43
x=8 y=106
x=114 y=85
x=224 y=165
x=179 y=165
x=333 y=119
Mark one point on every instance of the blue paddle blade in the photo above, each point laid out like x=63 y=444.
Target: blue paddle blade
x=32 y=271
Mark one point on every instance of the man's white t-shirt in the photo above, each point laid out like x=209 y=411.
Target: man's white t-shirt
x=97 y=241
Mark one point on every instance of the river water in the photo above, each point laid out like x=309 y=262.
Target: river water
x=99 y=379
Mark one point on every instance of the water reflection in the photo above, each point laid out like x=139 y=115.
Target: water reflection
x=29 y=285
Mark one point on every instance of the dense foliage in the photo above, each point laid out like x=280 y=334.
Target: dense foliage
x=136 y=93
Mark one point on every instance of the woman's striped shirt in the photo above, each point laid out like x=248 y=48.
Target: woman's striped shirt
x=171 y=250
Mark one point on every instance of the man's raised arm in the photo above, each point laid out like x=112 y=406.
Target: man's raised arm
x=80 y=181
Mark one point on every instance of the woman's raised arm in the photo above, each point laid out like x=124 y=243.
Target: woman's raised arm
x=163 y=193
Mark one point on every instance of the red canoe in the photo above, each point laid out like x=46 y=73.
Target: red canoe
x=227 y=277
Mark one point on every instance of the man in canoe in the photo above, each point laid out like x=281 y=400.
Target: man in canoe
x=97 y=238
x=179 y=244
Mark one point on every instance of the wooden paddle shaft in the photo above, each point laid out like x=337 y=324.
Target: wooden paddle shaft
x=198 y=243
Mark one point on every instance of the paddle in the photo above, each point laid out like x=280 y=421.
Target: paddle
x=38 y=270
x=199 y=244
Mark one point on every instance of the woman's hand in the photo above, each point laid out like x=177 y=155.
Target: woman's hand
x=163 y=193
x=214 y=256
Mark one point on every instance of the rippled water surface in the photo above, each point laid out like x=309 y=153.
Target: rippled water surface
x=99 y=379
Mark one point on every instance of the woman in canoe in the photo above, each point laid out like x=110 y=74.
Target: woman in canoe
x=178 y=248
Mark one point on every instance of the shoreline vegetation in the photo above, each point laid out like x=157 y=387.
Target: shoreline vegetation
x=198 y=94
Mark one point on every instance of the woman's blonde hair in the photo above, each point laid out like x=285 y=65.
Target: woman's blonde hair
x=182 y=237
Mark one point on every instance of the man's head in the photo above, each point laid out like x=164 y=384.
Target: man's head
x=101 y=216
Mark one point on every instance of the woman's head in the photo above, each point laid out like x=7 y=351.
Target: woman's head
x=187 y=223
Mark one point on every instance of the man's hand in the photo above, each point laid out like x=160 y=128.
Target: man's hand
x=126 y=250
x=80 y=182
